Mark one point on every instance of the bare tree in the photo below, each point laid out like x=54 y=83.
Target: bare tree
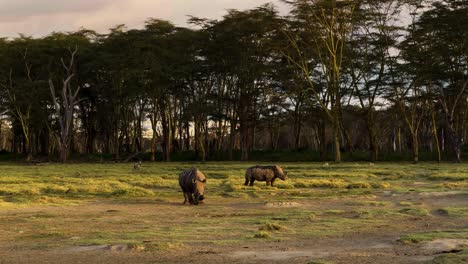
x=64 y=107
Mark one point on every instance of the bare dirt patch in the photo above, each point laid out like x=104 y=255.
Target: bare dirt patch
x=441 y=194
x=114 y=248
x=445 y=245
x=282 y=204
x=278 y=256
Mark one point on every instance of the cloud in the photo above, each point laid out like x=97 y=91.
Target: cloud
x=41 y=17
x=14 y=10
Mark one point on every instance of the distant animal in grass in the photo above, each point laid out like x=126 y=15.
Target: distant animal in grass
x=193 y=183
x=264 y=173
x=137 y=165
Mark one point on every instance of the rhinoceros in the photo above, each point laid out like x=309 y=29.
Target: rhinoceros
x=193 y=184
x=264 y=173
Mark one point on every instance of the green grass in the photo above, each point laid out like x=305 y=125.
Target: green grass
x=452 y=258
x=454 y=211
x=416 y=211
x=319 y=262
x=66 y=184
x=428 y=236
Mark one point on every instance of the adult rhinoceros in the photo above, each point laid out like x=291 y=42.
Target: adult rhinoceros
x=264 y=173
x=193 y=184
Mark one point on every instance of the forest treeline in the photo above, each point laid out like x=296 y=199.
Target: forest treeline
x=330 y=77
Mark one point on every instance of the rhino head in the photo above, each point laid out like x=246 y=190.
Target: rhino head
x=282 y=175
x=199 y=190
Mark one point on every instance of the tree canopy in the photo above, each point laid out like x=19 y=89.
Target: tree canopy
x=330 y=77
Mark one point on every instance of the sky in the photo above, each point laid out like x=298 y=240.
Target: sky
x=40 y=17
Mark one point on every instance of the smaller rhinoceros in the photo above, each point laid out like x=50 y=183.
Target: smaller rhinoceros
x=193 y=184
x=264 y=173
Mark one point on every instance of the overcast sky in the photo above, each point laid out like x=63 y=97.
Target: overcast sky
x=41 y=17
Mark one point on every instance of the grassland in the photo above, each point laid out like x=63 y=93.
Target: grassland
x=56 y=211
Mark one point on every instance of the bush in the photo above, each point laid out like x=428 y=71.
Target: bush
x=271 y=227
x=262 y=234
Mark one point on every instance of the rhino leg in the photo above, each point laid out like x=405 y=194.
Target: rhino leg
x=272 y=182
x=252 y=182
x=185 y=198
x=190 y=197
x=246 y=181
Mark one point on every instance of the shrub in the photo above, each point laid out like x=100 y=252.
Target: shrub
x=262 y=234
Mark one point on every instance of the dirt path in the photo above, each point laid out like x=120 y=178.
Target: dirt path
x=222 y=230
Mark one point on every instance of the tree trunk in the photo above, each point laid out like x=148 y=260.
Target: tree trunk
x=139 y=129
x=117 y=144
x=200 y=148
x=372 y=137
x=64 y=110
x=436 y=137
x=415 y=145
x=187 y=132
x=399 y=140
x=182 y=145
x=44 y=138
x=336 y=138
x=453 y=137
x=374 y=150
x=153 y=146
x=297 y=128
x=322 y=139
x=153 y=121
x=272 y=136
x=28 y=151
x=166 y=136
x=232 y=138
x=348 y=138
x=244 y=143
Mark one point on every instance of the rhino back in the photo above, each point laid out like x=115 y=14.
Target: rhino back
x=186 y=180
x=199 y=176
x=262 y=173
x=250 y=171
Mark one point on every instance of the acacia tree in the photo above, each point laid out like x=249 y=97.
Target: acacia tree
x=368 y=57
x=115 y=89
x=240 y=52
x=21 y=109
x=159 y=63
x=441 y=34
x=434 y=56
x=221 y=52
x=326 y=25
x=21 y=81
